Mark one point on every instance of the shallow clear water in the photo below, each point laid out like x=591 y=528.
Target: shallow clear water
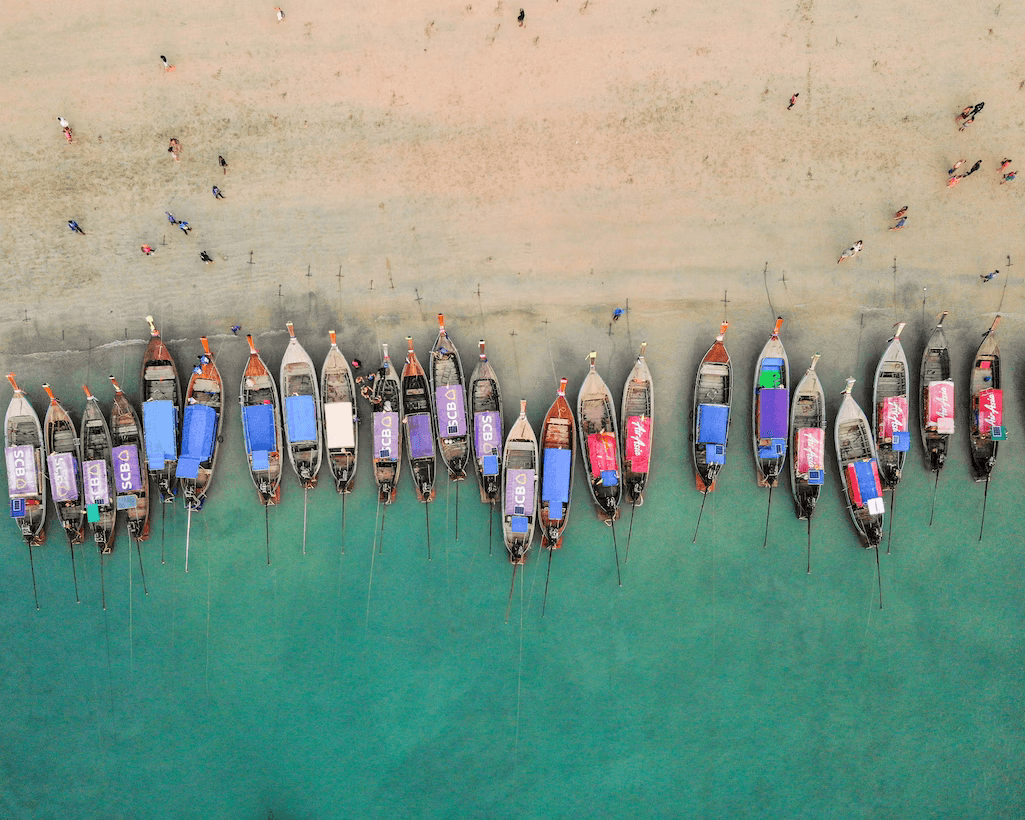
x=721 y=679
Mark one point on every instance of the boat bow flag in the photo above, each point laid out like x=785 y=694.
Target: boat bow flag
x=21 y=471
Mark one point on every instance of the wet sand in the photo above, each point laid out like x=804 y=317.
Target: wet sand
x=510 y=176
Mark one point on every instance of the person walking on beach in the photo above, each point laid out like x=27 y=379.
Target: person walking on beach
x=205 y=257
x=901 y=212
x=899 y=226
x=1005 y=162
x=170 y=218
x=235 y=329
x=65 y=128
x=958 y=164
x=617 y=313
x=74 y=227
x=985 y=277
x=185 y=226
x=175 y=148
x=1009 y=176
x=280 y=13
x=966 y=123
x=956 y=179
x=224 y=164
x=146 y=249
x=519 y=18
x=850 y=252
x=217 y=193
x=793 y=100
x=167 y=66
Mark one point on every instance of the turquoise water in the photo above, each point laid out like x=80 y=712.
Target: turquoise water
x=721 y=679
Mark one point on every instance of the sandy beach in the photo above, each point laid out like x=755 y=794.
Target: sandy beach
x=550 y=171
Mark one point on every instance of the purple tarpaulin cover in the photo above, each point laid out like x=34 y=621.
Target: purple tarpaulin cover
x=519 y=492
x=127 y=475
x=386 y=431
x=94 y=477
x=451 y=411
x=421 y=437
x=487 y=433
x=21 y=471
x=63 y=481
x=773 y=412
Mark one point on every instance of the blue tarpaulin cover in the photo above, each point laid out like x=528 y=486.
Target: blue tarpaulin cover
x=421 y=435
x=159 y=423
x=773 y=407
x=258 y=423
x=199 y=423
x=866 y=480
x=261 y=460
x=901 y=441
x=555 y=511
x=609 y=478
x=713 y=422
x=715 y=454
x=489 y=465
x=187 y=468
x=555 y=478
x=301 y=413
x=518 y=524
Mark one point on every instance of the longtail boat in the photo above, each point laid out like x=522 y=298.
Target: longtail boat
x=859 y=469
x=558 y=444
x=770 y=408
x=97 y=486
x=449 y=393
x=637 y=429
x=341 y=425
x=486 y=409
x=26 y=478
x=261 y=427
x=201 y=433
x=128 y=461
x=599 y=443
x=417 y=426
x=61 y=440
x=161 y=410
x=808 y=428
x=519 y=488
x=386 y=400
x=301 y=411
x=986 y=418
x=890 y=416
x=937 y=395
x=713 y=392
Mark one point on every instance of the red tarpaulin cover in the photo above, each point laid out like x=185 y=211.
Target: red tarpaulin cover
x=991 y=409
x=894 y=415
x=941 y=401
x=638 y=443
x=809 y=449
x=602 y=447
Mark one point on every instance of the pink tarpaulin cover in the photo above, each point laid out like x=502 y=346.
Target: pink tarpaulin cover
x=602 y=447
x=809 y=449
x=991 y=409
x=638 y=443
x=941 y=401
x=894 y=415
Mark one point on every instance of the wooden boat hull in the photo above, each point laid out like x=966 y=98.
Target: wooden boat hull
x=160 y=383
x=261 y=429
x=25 y=456
x=856 y=452
x=558 y=456
x=97 y=484
x=199 y=436
x=448 y=392
x=937 y=399
x=986 y=417
x=340 y=421
x=890 y=404
x=769 y=417
x=131 y=481
x=301 y=413
x=637 y=430
x=418 y=428
x=713 y=389
x=599 y=444
x=519 y=489
x=60 y=439
x=486 y=422
x=807 y=430
x=386 y=400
